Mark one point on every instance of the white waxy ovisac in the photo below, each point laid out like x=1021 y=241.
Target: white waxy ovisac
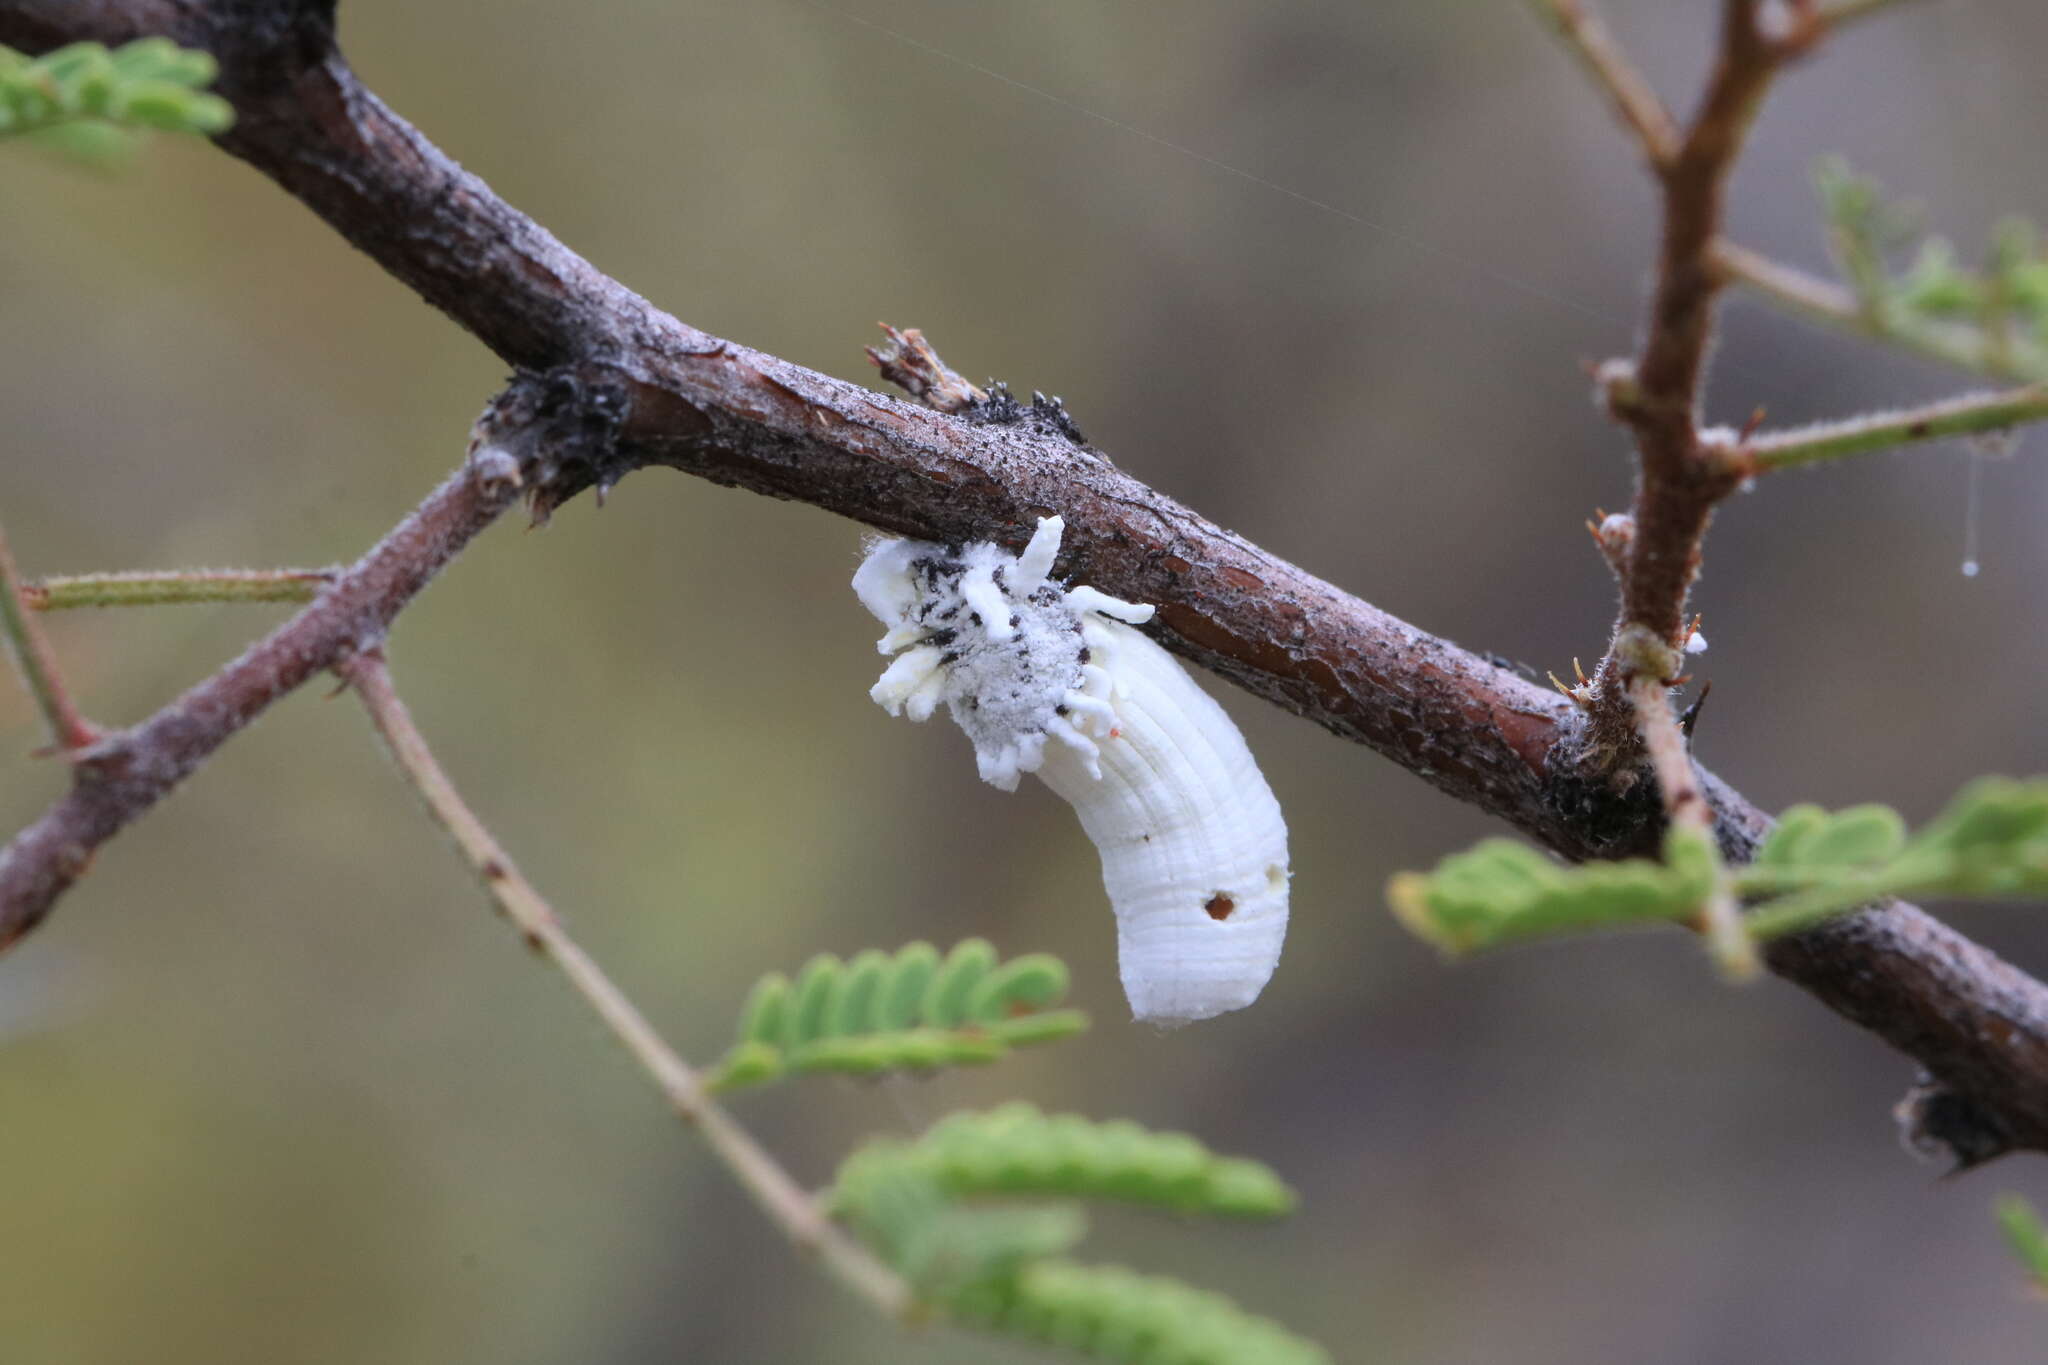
x=1054 y=681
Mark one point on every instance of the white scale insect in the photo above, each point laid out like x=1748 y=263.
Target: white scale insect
x=1052 y=680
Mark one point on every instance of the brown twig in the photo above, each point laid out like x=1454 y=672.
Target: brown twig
x=30 y=649
x=125 y=773
x=786 y=1203
x=1608 y=67
x=1685 y=807
x=1657 y=396
x=681 y=398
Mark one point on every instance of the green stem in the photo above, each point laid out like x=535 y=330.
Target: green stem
x=787 y=1203
x=160 y=588
x=1804 y=909
x=2027 y=1236
x=1831 y=305
x=38 y=664
x=1970 y=415
x=1848 y=11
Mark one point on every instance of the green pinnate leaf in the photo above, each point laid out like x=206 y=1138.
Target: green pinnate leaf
x=860 y=992
x=1992 y=840
x=1810 y=841
x=999 y=1267
x=747 y=1064
x=848 y=1056
x=811 y=1001
x=1022 y=1030
x=2028 y=284
x=62 y=67
x=1935 y=284
x=174 y=109
x=98 y=146
x=1242 y=1188
x=903 y=1000
x=163 y=60
x=1022 y=984
x=2027 y=1235
x=945 y=998
x=1501 y=891
x=969 y=1245
x=945 y=1248
x=765 y=1017
x=1015 y=1150
x=907 y=1050
x=2015 y=244
x=912 y=1011
x=1992 y=814
x=1972 y=310
x=149 y=83
x=1113 y=1314
x=155 y=56
x=1794 y=828
x=93 y=86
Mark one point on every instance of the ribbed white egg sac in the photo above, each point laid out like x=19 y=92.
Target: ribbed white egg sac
x=1053 y=680
x=1193 y=845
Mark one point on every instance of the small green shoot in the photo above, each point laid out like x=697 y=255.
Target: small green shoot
x=91 y=104
x=1502 y=892
x=912 y=1010
x=1990 y=843
x=2028 y=1237
x=998 y=1266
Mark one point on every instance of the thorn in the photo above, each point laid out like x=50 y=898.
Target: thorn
x=1581 y=696
x=1690 y=717
x=1750 y=428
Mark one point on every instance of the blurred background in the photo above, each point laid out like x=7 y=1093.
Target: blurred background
x=277 y=1086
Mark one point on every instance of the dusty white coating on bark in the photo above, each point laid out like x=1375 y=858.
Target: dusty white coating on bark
x=1053 y=680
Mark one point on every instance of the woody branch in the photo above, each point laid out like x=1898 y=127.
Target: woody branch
x=633 y=386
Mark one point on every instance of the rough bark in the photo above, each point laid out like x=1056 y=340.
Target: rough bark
x=650 y=390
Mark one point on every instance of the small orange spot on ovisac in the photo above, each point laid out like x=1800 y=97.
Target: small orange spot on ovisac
x=1219 y=906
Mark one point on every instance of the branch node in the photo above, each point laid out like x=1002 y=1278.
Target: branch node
x=1642 y=653
x=553 y=433
x=1614 y=534
x=1616 y=390
x=1938 y=1124
x=495 y=469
